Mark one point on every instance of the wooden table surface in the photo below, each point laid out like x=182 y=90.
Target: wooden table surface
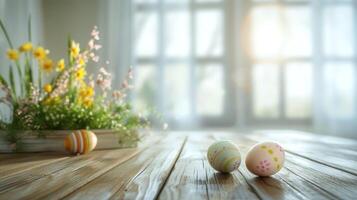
x=174 y=166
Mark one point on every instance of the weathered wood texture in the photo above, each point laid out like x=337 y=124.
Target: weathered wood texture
x=174 y=166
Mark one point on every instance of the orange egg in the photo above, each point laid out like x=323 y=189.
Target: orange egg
x=80 y=142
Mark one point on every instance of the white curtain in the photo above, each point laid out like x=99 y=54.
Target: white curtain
x=115 y=25
x=335 y=96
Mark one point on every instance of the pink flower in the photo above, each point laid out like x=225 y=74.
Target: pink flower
x=125 y=84
x=91 y=84
x=97 y=46
x=95 y=33
x=117 y=95
x=104 y=79
x=91 y=44
x=95 y=58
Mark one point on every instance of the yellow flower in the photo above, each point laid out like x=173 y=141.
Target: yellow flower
x=12 y=54
x=40 y=53
x=47 y=88
x=81 y=62
x=27 y=46
x=60 y=65
x=86 y=92
x=74 y=49
x=80 y=73
x=88 y=102
x=47 y=65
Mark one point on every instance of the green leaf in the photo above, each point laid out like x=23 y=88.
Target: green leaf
x=6 y=34
x=28 y=77
x=29 y=59
x=69 y=42
x=3 y=81
x=21 y=80
x=29 y=28
x=12 y=82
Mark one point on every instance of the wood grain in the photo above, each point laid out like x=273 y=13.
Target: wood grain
x=20 y=163
x=140 y=177
x=57 y=179
x=303 y=178
x=173 y=167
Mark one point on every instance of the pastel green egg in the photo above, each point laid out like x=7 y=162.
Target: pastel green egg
x=224 y=156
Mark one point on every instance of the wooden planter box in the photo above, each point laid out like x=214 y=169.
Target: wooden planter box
x=53 y=140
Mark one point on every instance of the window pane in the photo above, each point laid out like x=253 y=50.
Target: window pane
x=177 y=29
x=210 y=90
x=339 y=86
x=176 y=95
x=209 y=33
x=264 y=1
x=146 y=33
x=298 y=90
x=338 y=30
x=176 y=2
x=298 y=32
x=145 y=1
x=144 y=88
x=299 y=0
x=278 y=32
x=266 y=90
x=266 y=32
x=207 y=1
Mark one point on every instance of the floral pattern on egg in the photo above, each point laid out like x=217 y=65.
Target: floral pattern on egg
x=265 y=159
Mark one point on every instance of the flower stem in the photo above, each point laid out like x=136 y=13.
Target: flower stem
x=21 y=81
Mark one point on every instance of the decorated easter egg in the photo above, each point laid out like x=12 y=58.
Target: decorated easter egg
x=265 y=159
x=80 y=142
x=224 y=156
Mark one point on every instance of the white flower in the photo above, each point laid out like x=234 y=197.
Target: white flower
x=165 y=126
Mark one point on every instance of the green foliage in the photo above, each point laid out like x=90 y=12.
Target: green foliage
x=56 y=115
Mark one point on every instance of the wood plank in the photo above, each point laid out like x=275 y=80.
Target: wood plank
x=57 y=179
x=159 y=170
x=17 y=164
x=302 y=178
x=193 y=178
x=140 y=177
x=309 y=138
x=336 y=182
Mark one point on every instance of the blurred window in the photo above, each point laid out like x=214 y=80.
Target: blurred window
x=179 y=55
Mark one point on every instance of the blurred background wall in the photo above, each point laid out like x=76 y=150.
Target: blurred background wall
x=199 y=64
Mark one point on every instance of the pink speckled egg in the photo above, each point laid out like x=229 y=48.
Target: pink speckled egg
x=265 y=159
